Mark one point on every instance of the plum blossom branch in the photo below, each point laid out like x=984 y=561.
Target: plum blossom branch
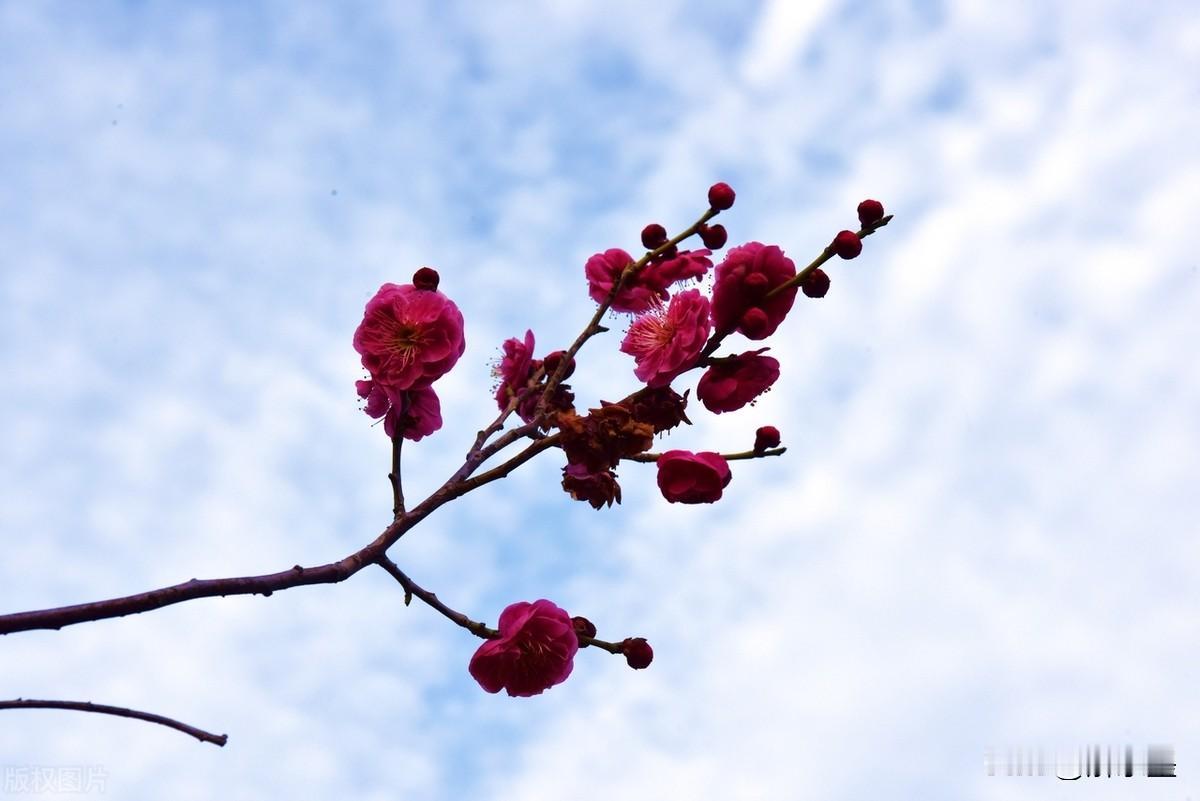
x=729 y=457
x=411 y=588
x=411 y=335
x=826 y=254
x=593 y=327
x=481 y=630
x=104 y=709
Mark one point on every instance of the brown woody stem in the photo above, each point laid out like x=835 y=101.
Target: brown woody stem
x=104 y=709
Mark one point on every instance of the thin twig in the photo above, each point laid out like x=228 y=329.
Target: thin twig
x=104 y=709
x=411 y=588
x=729 y=457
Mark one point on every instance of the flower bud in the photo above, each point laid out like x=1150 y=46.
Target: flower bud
x=754 y=323
x=714 y=237
x=653 y=236
x=870 y=212
x=720 y=196
x=551 y=364
x=815 y=284
x=583 y=628
x=766 y=437
x=426 y=278
x=847 y=244
x=638 y=652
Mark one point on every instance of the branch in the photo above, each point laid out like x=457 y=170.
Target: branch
x=411 y=588
x=729 y=457
x=87 y=706
x=267 y=584
x=593 y=327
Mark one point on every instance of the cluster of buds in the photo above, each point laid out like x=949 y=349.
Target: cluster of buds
x=412 y=334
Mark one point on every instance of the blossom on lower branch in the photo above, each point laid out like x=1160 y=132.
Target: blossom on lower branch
x=535 y=650
x=686 y=477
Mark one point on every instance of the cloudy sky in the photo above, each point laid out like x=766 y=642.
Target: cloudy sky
x=984 y=533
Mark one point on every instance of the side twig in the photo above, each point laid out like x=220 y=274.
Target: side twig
x=104 y=709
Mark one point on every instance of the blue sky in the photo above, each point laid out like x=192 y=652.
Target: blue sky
x=983 y=533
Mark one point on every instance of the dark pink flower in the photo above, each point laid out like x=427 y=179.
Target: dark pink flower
x=422 y=409
x=409 y=337
x=535 y=650
x=743 y=280
x=666 y=341
x=684 y=265
x=732 y=382
x=636 y=295
x=514 y=368
x=686 y=477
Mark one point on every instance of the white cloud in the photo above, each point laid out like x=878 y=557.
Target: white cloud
x=981 y=534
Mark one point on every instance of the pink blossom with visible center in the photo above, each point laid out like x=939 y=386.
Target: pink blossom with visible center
x=535 y=651
x=743 y=280
x=732 y=382
x=409 y=337
x=666 y=341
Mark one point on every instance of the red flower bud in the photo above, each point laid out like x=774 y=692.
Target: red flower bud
x=847 y=244
x=815 y=284
x=426 y=278
x=714 y=236
x=653 y=236
x=766 y=437
x=551 y=363
x=720 y=196
x=638 y=652
x=583 y=628
x=754 y=323
x=870 y=212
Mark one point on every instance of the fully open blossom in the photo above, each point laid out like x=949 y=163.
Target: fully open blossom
x=732 y=382
x=598 y=489
x=514 y=368
x=409 y=337
x=638 y=294
x=743 y=280
x=666 y=341
x=686 y=477
x=535 y=651
x=422 y=411
x=684 y=265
